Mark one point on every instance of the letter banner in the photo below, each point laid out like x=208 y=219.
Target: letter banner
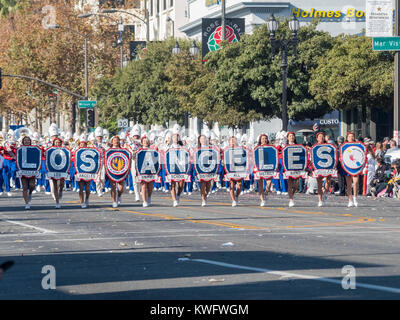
x=117 y=163
x=29 y=161
x=266 y=161
x=294 y=161
x=353 y=157
x=87 y=164
x=177 y=165
x=237 y=163
x=58 y=163
x=148 y=165
x=206 y=163
x=324 y=160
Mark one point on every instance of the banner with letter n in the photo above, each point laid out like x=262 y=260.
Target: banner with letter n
x=206 y=163
x=237 y=163
x=324 y=160
x=177 y=165
x=29 y=161
x=87 y=164
x=58 y=163
x=353 y=157
x=117 y=163
x=294 y=161
x=266 y=161
x=148 y=165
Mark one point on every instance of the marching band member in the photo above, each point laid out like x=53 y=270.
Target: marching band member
x=292 y=183
x=28 y=183
x=233 y=183
x=322 y=191
x=117 y=188
x=351 y=181
x=263 y=141
x=146 y=187
x=9 y=151
x=176 y=187
x=99 y=144
x=205 y=186
x=83 y=184
x=57 y=186
x=135 y=145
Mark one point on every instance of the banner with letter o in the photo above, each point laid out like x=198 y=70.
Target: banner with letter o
x=87 y=164
x=177 y=165
x=266 y=162
x=206 y=163
x=353 y=157
x=117 y=163
x=29 y=161
x=237 y=163
x=148 y=165
x=58 y=163
x=324 y=160
x=294 y=161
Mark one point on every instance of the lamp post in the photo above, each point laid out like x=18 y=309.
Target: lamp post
x=145 y=20
x=283 y=44
x=120 y=28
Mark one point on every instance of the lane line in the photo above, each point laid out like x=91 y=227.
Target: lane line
x=293 y=275
x=43 y=230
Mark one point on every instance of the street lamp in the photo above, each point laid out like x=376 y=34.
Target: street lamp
x=194 y=49
x=176 y=49
x=283 y=44
x=120 y=28
x=145 y=20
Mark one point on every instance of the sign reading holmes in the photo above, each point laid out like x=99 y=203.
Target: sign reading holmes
x=211 y=31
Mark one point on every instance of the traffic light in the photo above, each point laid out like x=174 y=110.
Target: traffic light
x=90 y=118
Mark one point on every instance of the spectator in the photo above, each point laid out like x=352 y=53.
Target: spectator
x=381 y=177
x=393 y=144
x=371 y=165
x=393 y=187
x=341 y=177
x=379 y=150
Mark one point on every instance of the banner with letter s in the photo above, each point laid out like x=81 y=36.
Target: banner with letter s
x=266 y=161
x=117 y=163
x=324 y=160
x=177 y=165
x=237 y=163
x=206 y=163
x=58 y=163
x=294 y=161
x=148 y=165
x=353 y=157
x=29 y=161
x=87 y=163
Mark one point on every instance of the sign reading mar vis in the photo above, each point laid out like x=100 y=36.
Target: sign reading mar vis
x=386 y=44
x=85 y=104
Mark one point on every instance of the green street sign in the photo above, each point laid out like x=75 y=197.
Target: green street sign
x=386 y=43
x=83 y=104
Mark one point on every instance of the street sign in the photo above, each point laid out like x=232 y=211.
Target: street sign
x=123 y=123
x=386 y=44
x=83 y=104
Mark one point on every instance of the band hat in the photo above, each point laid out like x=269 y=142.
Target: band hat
x=122 y=136
x=98 y=132
x=136 y=131
x=176 y=129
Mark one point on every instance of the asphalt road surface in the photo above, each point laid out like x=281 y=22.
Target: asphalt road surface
x=191 y=252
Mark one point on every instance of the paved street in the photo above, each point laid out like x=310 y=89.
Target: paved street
x=190 y=252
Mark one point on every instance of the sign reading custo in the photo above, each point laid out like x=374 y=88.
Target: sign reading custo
x=211 y=31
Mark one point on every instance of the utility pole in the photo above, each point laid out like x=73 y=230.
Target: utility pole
x=223 y=5
x=396 y=114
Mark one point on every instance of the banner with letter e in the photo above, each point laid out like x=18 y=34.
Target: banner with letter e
x=295 y=161
x=29 y=161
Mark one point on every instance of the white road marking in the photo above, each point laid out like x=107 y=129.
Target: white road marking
x=295 y=275
x=29 y=226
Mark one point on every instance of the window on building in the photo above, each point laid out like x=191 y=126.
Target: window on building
x=171 y=3
x=164 y=4
x=158 y=6
x=151 y=8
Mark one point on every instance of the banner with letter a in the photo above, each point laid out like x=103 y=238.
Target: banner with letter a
x=266 y=161
x=148 y=165
x=294 y=161
x=177 y=165
x=324 y=160
x=58 y=163
x=353 y=157
x=206 y=163
x=237 y=163
x=117 y=163
x=29 y=161
x=87 y=164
